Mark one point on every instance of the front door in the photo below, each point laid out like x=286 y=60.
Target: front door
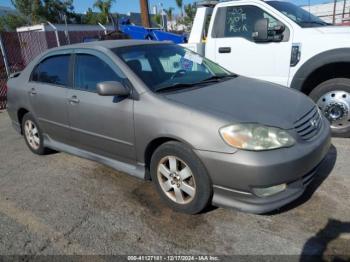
x=232 y=45
x=48 y=96
x=100 y=124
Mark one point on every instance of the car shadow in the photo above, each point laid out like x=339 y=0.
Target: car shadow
x=315 y=248
x=323 y=172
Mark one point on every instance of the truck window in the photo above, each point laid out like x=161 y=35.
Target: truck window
x=239 y=21
x=297 y=14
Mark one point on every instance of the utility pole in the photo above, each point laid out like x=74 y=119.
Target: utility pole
x=334 y=11
x=145 y=13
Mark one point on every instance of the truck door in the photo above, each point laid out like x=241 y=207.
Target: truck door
x=231 y=44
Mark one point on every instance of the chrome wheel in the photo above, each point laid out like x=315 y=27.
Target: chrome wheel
x=176 y=180
x=335 y=105
x=32 y=134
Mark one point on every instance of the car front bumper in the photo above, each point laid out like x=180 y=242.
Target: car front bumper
x=235 y=175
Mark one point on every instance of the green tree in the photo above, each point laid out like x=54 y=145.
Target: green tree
x=37 y=11
x=55 y=10
x=11 y=21
x=190 y=11
x=169 y=13
x=30 y=9
x=179 y=4
x=91 y=17
x=157 y=18
x=105 y=7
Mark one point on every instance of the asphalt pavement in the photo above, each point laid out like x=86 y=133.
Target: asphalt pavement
x=62 y=204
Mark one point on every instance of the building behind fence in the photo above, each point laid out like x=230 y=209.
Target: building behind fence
x=20 y=48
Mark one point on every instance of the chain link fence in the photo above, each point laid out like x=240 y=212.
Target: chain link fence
x=19 y=49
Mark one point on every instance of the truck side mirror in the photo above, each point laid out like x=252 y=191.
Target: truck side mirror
x=261 y=30
x=279 y=28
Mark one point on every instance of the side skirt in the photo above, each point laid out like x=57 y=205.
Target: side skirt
x=134 y=170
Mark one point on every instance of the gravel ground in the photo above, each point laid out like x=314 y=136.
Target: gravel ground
x=61 y=204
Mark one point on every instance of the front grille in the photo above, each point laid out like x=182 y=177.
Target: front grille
x=309 y=125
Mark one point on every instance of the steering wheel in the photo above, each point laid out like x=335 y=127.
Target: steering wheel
x=178 y=73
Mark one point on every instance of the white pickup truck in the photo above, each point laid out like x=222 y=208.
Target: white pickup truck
x=282 y=43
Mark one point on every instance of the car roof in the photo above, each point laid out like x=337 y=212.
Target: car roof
x=110 y=44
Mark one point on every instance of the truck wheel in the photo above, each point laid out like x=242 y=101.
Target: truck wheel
x=333 y=98
x=180 y=178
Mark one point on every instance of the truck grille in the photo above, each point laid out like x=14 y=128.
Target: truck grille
x=309 y=125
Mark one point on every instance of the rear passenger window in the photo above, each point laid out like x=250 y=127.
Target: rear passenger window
x=91 y=70
x=52 y=70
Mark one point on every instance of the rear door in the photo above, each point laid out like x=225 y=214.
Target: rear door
x=48 y=89
x=100 y=124
x=232 y=46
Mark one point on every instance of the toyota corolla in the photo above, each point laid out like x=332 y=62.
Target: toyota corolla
x=160 y=112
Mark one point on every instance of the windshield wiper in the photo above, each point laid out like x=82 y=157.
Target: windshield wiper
x=174 y=86
x=217 y=78
x=184 y=85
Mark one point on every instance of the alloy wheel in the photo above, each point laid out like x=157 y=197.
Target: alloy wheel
x=176 y=180
x=32 y=134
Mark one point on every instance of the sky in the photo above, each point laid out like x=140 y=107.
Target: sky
x=125 y=6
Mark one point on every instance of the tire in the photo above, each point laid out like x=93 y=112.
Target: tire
x=334 y=96
x=34 y=139
x=199 y=198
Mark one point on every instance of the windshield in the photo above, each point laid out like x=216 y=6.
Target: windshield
x=162 y=66
x=297 y=14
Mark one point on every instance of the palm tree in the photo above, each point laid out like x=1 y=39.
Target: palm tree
x=105 y=7
x=179 y=4
x=169 y=13
x=30 y=9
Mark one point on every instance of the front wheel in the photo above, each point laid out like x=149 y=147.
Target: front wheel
x=333 y=99
x=180 y=178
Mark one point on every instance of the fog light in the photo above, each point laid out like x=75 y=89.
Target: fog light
x=269 y=191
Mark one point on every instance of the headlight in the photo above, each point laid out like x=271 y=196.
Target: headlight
x=256 y=137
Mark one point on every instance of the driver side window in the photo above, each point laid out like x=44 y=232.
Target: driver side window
x=239 y=21
x=90 y=70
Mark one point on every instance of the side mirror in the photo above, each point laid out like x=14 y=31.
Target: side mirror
x=112 y=88
x=262 y=32
x=279 y=28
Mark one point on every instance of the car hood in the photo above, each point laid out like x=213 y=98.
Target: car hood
x=334 y=30
x=247 y=100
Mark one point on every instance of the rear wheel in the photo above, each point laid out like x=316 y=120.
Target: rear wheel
x=33 y=135
x=333 y=98
x=180 y=178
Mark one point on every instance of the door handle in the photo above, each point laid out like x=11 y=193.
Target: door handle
x=32 y=91
x=74 y=100
x=224 y=49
